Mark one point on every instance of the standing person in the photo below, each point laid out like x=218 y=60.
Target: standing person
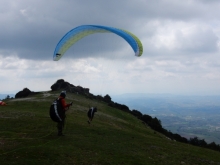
x=91 y=113
x=65 y=107
x=57 y=112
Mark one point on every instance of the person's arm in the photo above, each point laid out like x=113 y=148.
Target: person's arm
x=64 y=105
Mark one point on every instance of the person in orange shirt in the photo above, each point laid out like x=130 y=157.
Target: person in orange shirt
x=64 y=107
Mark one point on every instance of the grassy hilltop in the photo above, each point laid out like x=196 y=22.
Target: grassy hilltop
x=29 y=136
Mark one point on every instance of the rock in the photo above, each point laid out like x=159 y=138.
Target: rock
x=24 y=93
x=63 y=85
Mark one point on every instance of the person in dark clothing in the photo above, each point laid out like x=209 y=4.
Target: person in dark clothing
x=91 y=113
x=65 y=107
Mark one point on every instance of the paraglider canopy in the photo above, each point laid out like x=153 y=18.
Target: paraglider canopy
x=79 y=32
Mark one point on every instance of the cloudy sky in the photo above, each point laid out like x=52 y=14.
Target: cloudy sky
x=181 y=41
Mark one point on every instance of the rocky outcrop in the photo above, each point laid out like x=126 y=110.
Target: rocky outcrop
x=57 y=86
x=63 y=85
x=24 y=93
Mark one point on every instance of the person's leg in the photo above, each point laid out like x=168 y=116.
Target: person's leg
x=88 y=114
x=60 y=126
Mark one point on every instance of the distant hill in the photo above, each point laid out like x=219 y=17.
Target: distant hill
x=188 y=116
x=3 y=96
x=155 y=104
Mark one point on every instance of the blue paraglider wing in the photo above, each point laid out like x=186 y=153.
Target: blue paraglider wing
x=79 y=32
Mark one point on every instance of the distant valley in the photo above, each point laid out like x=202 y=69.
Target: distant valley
x=189 y=116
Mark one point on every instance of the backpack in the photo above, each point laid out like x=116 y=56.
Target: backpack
x=91 y=112
x=57 y=114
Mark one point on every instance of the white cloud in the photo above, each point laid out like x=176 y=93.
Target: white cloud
x=180 y=39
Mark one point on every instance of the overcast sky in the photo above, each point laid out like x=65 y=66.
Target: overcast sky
x=181 y=42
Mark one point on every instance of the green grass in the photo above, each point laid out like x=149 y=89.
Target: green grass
x=29 y=136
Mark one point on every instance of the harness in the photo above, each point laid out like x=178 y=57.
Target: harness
x=56 y=111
